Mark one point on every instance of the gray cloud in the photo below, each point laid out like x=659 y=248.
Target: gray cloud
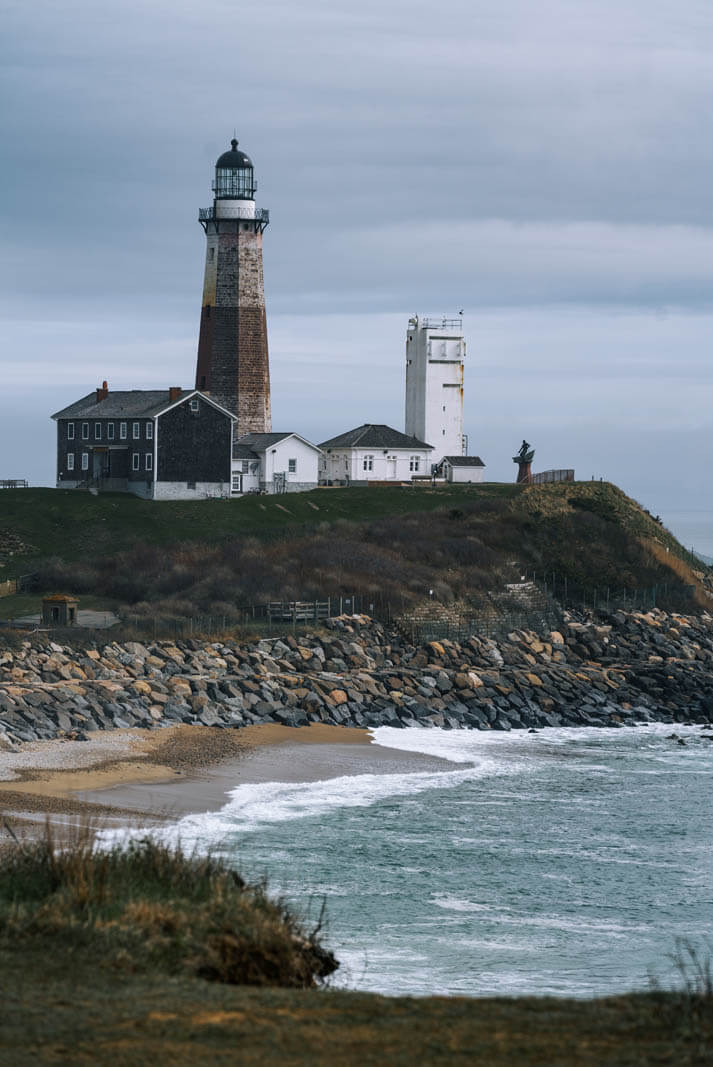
x=546 y=165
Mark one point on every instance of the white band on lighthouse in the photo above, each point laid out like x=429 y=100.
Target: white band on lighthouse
x=235 y=209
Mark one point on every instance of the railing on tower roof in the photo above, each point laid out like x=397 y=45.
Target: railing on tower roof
x=441 y=324
x=207 y=214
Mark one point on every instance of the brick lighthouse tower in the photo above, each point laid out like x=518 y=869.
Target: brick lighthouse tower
x=233 y=363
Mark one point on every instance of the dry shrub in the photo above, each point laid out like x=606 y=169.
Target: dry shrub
x=679 y=567
x=156 y=907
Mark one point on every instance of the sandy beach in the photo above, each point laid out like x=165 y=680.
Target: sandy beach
x=142 y=775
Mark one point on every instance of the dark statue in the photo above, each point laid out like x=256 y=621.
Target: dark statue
x=524 y=455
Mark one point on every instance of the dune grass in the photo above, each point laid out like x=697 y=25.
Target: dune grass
x=150 y=907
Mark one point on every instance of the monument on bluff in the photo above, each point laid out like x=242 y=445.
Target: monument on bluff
x=524 y=460
x=233 y=364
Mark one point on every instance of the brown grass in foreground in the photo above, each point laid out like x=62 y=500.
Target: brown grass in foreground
x=150 y=907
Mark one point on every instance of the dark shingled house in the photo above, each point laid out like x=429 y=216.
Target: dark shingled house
x=161 y=444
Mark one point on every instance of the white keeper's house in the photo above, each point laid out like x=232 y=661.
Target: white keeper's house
x=274 y=463
x=373 y=453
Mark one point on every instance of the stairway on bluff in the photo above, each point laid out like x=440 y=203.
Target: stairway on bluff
x=608 y=670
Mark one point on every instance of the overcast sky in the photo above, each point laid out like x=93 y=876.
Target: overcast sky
x=545 y=166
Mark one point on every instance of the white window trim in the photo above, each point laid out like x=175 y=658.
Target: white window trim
x=368 y=463
x=292 y=466
x=148 y=461
x=194 y=404
x=97 y=431
x=70 y=431
x=110 y=431
x=149 y=431
x=136 y=431
x=70 y=461
x=122 y=431
x=85 y=461
x=85 y=431
x=135 y=461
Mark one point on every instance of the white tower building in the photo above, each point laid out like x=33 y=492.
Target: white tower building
x=435 y=351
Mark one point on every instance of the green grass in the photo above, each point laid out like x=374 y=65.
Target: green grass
x=72 y=524
x=169 y=561
x=21 y=604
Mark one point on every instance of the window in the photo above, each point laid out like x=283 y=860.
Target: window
x=246 y=466
x=414 y=463
x=190 y=485
x=70 y=461
x=195 y=406
x=237 y=482
x=97 y=431
x=368 y=463
x=85 y=461
x=85 y=431
x=110 y=431
x=122 y=431
x=148 y=461
x=70 y=431
x=292 y=466
x=136 y=430
x=149 y=431
x=135 y=461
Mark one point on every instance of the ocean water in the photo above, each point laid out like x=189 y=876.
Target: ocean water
x=562 y=862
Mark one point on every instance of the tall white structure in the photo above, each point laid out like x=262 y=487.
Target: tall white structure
x=435 y=352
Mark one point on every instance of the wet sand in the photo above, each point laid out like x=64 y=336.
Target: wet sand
x=289 y=760
x=130 y=775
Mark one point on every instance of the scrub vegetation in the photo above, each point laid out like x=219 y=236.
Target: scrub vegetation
x=149 y=907
x=174 y=560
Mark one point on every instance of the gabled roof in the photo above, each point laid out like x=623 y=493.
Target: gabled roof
x=241 y=451
x=130 y=403
x=463 y=461
x=374 y=435
x=260 y=442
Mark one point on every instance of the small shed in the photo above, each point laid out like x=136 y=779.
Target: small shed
x=59 y=610
x=462 y=468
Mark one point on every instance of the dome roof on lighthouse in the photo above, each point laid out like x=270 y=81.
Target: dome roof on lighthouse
x=234 y=158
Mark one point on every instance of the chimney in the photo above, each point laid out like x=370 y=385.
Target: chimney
x=173 y=393
x=102 y=393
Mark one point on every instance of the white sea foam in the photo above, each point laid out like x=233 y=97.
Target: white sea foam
x=474 y=754
x=464 y=746
x=256 y=805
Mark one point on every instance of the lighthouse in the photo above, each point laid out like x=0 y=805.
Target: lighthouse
x=233 y=364
x=435 y=354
